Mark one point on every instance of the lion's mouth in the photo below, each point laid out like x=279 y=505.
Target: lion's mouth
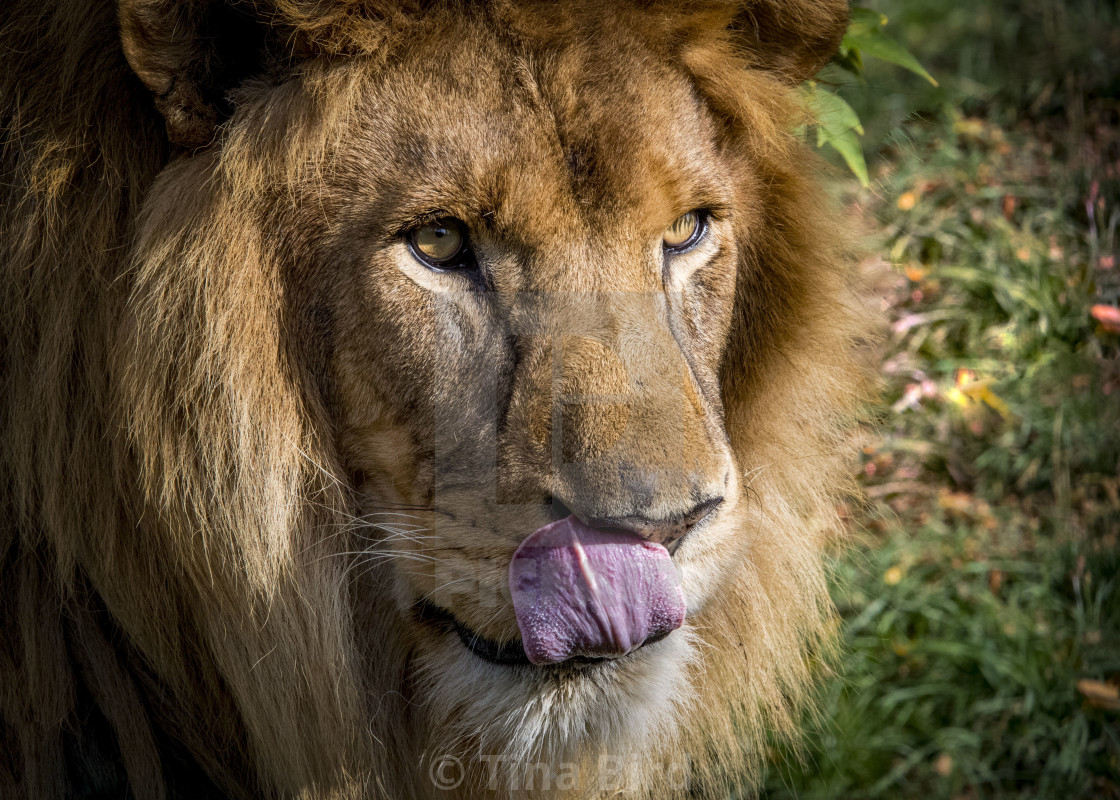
x=509 y=654
x=580 y=595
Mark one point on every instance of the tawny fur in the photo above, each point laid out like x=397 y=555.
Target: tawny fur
x=199 y=597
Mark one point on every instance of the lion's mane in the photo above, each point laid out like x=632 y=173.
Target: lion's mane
x=173 y=614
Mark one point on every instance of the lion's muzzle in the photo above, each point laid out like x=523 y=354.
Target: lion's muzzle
x=613 y=414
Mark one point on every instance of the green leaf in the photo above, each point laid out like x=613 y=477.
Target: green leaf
x=839 y=127
x=837 y=124
x=849 y=148
x=850 y=61
x=873 y=42
x=866 y=18
x=833 y=114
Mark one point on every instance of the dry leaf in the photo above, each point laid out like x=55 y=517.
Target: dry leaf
x=1100 y=694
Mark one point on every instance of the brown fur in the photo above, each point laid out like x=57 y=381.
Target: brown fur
x=243 y=433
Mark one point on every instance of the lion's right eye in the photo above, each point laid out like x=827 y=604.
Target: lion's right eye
x=441 y=244
x=685 y=232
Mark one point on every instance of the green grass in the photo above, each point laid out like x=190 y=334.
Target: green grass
x=996 y=364
x=983 y=589
x=963 y=648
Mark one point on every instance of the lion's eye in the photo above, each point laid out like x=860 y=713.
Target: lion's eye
x=441 y=244
x=684 y=233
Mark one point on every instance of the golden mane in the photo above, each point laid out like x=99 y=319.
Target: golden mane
x=173 y=509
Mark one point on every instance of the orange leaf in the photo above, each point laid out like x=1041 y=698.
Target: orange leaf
x=915 y=272
x=1107 y=316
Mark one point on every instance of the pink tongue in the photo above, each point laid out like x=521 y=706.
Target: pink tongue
x=578 y=591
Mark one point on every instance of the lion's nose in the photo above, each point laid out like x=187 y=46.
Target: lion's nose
x=667 y=530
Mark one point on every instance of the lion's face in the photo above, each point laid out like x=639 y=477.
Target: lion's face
x=527 y=269
x=414 y=291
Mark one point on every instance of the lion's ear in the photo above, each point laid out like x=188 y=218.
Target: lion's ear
x=792 y=38
x=190 y=53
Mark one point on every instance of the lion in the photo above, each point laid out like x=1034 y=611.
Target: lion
x=415 y=399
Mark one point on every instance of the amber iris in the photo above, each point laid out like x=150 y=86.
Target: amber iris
x=441 y=243
x=684 y=233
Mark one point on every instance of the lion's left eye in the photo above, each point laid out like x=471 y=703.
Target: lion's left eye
x=685 y=232
x=441 y=244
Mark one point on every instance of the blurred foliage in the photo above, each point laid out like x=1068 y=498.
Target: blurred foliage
x=1002 y=59
x=965 y=642
x=997 y=366
x=836 y=122
x=980 y=602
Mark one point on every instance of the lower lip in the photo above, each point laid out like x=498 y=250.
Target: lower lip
x=510 y=654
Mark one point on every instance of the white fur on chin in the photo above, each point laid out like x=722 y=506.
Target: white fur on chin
x=511 y=725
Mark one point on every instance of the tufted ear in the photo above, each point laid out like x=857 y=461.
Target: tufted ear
x=793 y=38
x=190 y=54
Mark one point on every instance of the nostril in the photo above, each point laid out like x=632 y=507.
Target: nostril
x=665 y=530
x=700 y=511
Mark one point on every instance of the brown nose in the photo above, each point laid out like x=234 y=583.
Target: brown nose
x=665 y=531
